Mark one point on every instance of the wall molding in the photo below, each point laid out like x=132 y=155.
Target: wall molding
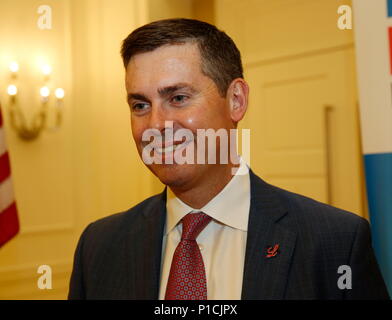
x=44 y=229
x=252 y=62
x=20 y=282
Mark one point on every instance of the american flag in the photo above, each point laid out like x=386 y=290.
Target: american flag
x=9 y=223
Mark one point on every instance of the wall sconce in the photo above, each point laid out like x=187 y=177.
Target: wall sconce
x=39 y=120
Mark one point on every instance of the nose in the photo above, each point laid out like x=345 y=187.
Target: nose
x=161 y=119
x=157 y=117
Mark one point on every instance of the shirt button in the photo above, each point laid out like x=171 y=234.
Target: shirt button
x=201 y=247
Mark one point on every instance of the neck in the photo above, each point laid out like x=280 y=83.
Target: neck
x=203 y=192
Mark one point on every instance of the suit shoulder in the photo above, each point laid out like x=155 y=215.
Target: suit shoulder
x=115 y=223
x=313 y=212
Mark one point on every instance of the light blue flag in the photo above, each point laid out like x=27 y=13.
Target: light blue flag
x=373 y=44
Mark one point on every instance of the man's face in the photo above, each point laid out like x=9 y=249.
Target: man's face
x=167 y=85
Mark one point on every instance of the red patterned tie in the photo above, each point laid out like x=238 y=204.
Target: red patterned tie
x=187 y=278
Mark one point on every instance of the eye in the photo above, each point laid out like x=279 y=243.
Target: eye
x=139 y=107
x=179 y=98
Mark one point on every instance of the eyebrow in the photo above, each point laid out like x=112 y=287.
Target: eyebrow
x=163 y=92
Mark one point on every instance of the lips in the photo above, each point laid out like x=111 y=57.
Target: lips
x=170 y=147
x=166 y=144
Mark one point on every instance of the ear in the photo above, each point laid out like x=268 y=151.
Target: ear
x=237 y=96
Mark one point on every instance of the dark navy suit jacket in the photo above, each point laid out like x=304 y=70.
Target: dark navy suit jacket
x=119 y=257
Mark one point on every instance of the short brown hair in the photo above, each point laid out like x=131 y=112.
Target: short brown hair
x=220 y=57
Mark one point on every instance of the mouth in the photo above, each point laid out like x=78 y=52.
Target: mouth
x=171 y=147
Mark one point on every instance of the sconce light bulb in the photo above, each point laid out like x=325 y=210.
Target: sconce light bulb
x=12 y=90
x=44 y=91
x=14 y=67
x=46 y=69
x=59 y=93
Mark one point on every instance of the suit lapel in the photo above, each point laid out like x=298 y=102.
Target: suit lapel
x=145 y=246
x=266 y=277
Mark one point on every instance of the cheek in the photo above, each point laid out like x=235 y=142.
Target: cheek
x=137 y=130
x=202 y=121
x=195 y=121
x=212 y=116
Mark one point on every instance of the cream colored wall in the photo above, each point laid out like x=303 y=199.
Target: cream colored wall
x=110 y=175
x=164 y=9
x=197 y=9
x=297 y=63
x=90 y=168
x=42 y=170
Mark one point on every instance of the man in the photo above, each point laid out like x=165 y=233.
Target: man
x=212 y=233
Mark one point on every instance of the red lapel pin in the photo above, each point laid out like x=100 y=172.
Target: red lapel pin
x=272 y=251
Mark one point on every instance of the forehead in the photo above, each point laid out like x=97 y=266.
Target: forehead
x=166 y=64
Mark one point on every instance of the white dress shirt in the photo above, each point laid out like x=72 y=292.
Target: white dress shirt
x=222 y=243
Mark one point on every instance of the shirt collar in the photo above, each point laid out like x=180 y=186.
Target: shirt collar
x=230 y=206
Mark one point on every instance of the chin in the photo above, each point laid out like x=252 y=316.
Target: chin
x=173 y=174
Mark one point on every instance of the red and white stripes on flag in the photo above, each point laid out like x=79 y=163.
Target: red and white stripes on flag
x=9 y=223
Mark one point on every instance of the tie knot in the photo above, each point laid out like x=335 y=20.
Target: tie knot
x=193 y=224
